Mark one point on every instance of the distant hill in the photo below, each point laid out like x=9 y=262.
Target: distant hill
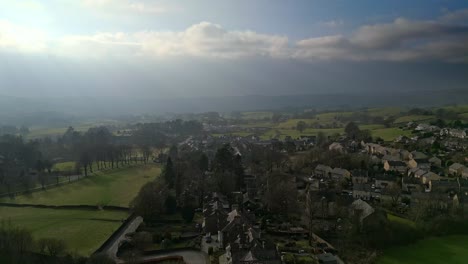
x=57 y=110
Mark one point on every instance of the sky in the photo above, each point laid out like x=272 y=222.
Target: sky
x=169 y=49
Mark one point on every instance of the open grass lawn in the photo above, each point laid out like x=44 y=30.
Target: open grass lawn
x=82 y=230
x=115 y=187
x=447 y=250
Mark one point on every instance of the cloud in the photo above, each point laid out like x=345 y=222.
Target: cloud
x=458 y=16
x=398 y=40
x=17 y=38
x=200 y=40
x=119 y=6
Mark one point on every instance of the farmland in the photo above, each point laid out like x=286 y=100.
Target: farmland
x=82 y=230
x=115 y=187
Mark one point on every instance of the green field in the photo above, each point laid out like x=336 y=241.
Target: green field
x=82 y=230
x=116 y=187
x=457 y=108
x=447 y=250
x=414 y=118
x=39 y=132
x=463 y=116
x=389 y=134
x=64 y=166
x=256 y=115
x=384 y=111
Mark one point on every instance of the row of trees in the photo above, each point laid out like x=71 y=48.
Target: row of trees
x=16 y=159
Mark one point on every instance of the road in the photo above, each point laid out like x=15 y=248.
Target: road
x=112 y=247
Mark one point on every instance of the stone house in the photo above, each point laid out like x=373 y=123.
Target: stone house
x=423 y=164
x=322 y=171
x=398 y=166
x=456 y=169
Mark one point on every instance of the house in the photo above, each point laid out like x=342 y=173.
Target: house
x=384 y=181
x=360 y=176
x=361 y=209
x=456 y=169
x=398 y=166
x=402 y=139
x=464 y=173
x=259 y=253
x=324 y=203
x=428 y=177
x=427 y=128
x=444 y=185
x=390 y=158
x=404 y=154
x=336 y=147
x=362 y=191
x=418 y=155
x=373 y=148
x=339 y=174
x=416 y=172
x=411 y=184
x=243 y=243
x=436 y=162
x=422 y=127
x=421 y=163
x=366 y=215
x=458 y=133
x=322 y=171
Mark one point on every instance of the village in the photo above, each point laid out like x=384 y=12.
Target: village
x=303 y=210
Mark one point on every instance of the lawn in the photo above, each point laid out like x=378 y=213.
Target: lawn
x=447 y=250
x=401 y=220
x=82 y=230
x=114 y=187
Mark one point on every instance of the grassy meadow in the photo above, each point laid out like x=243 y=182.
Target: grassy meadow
x=435 y=250
x=82 y=230
x=113 y=187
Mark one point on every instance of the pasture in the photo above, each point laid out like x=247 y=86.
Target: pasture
x=82 y=230
x=389 y=134
x=413 y=118
x=112 y=187
x=435 y=250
